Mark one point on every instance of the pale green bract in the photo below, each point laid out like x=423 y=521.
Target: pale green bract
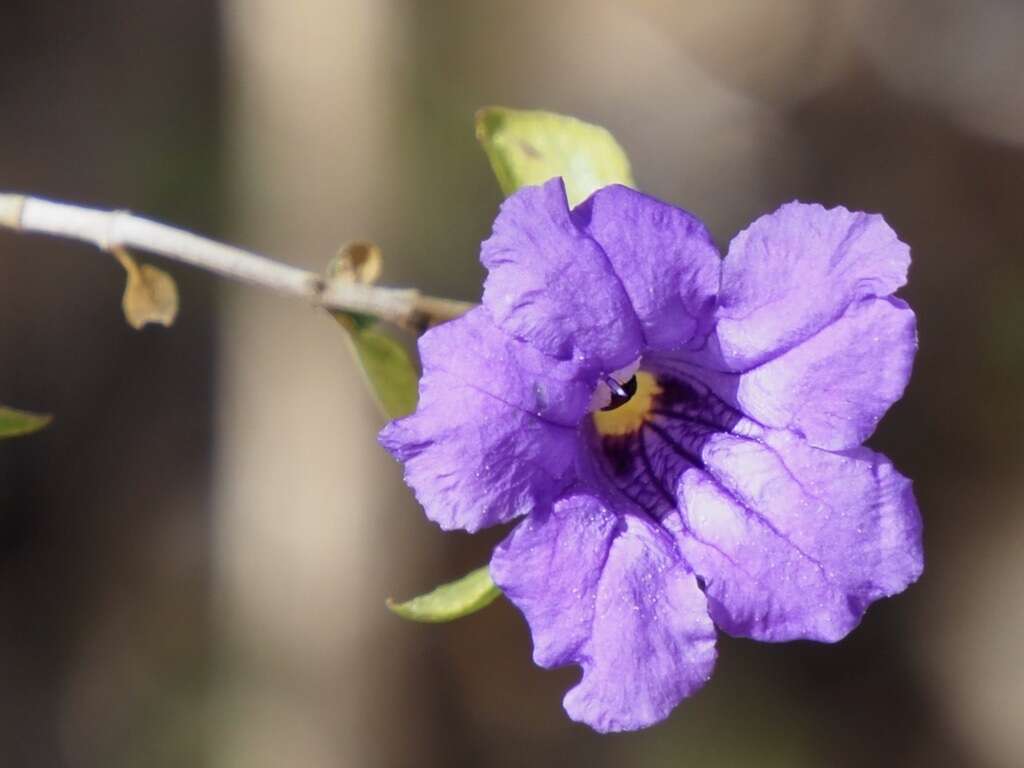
x=390 y=374
x=526 y=147
x=14 y=422
x=450 y=601
x=529 y=147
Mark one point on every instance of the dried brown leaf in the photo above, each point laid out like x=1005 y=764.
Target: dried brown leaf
x=359 y=262
x=150 y=294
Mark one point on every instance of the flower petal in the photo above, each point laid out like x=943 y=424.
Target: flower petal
x=834 y=388
x=792 y=272
x=794 y=542
x=664 y=258
x=608 y=592
x=494 y=435
x=550 y=284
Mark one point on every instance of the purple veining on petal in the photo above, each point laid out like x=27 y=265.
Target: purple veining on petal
x=645 y=466
x=754 y=529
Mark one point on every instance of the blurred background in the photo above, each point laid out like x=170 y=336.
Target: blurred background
x=194 y=557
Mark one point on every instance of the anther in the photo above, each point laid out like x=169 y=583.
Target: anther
x=621 y=393
x=615 y=387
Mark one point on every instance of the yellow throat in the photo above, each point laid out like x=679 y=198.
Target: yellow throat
x=630 y=417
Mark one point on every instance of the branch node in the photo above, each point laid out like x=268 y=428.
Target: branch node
x=111 y=240
x=317 y=287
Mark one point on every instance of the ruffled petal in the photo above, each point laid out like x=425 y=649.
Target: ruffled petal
x=664 y=258
x=834 y=388
x=494 y=435
x=608 y=592
x=795 y=542
x=550 y=284
x=795 y=271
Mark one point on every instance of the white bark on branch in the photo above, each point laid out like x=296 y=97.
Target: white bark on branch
x=108 y=230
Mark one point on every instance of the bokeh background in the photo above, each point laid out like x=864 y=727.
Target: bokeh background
x=194 y=557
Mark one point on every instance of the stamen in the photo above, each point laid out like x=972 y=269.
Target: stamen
x=631 y=404
x=621 y=393
x=615 y=387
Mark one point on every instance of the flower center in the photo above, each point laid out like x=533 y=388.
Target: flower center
x=629 y=407
x=620 y=393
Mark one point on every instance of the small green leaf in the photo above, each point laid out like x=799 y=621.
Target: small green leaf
x=14 y=422
x=450 y=601
x=529 y=147
x=389 y=371
x=384 y=363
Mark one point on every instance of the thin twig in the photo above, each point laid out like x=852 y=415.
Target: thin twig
x=109 y=230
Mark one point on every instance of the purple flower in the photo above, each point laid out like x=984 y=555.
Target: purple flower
x=681 y=432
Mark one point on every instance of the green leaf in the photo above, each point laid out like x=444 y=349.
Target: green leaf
x=529 y=147
x=450 y=601
x=389 y=371
x=14 y=422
